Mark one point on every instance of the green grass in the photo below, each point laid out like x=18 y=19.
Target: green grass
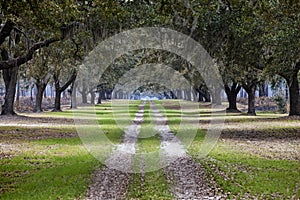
x=53 y=168
x=49 y=169
x=61 y=168
x=240 y=173
x=150 y=184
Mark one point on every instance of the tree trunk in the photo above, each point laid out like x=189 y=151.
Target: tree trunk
x=206 y=95
x=57 y=105
x=173 y=96
x=193 y=96
x=217 y=97
x=262 y=90
x=99 y=98
x=84 y=97
x=73 y=95
x=17 y=102
x=103 y=94
x=93 y=97
x=59 y=90
x=294 y=95
x=84 y=92
x=39 y=96
x=251 y=98
x=187 y=95
x=10 y=77
x=45 y=93
x=232 y=93
x=178 y=94
x=110 y=93
x=199 y=95
x=182 y=95
x=31 y=91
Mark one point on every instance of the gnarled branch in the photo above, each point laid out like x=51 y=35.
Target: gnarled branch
x=28 y=56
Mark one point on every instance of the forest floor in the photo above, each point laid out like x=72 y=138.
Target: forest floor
x=255 y=157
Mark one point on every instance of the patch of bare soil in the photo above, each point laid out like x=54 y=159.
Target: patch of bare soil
x=38 y=121
x=9 y=150
x=272 y=143
x=268 y=134
x=16 y=134
x=172 y=107
x=291 y=118
x=271 y=149
x=189 y=180
x=108 y=184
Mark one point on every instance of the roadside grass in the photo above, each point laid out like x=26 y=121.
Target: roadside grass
x=241 y=174
x=105 y=110
x=60 y=167
x=109 y=124
x=47 y=169
x=47 y=163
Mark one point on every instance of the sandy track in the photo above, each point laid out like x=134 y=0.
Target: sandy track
x=112 y=182
x=187 y=179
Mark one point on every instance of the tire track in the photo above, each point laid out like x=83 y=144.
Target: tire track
x=186 y=178
x=112 y=181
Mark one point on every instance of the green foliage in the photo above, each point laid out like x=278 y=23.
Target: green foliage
x=281 y=102
x=281 y=29
x=45 y=16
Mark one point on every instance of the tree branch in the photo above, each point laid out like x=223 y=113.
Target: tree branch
x=6 y=30
x=28 y=56
x=69 y=82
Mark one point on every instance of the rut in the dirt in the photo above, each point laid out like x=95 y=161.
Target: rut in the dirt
x=112 y=181
x=187 y=179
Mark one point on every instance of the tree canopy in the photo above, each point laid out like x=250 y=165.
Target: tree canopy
x=250 y=41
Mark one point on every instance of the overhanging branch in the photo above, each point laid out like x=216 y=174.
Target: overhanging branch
x=28 y=56
x=6 y=31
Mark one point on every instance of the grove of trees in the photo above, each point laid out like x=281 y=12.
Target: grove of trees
x=251 y=42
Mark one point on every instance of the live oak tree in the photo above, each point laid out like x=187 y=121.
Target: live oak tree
x=247 y=33
x=281 y=40
x=29 y=25
x=236 y=34
x=232 y=36
x=64 y=69
x=221 y=42
x=39 y=70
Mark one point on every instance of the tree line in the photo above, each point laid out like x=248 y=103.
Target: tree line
x=251 y=42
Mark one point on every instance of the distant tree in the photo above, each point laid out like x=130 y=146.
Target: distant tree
x=64 y=69
x=39 y=70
